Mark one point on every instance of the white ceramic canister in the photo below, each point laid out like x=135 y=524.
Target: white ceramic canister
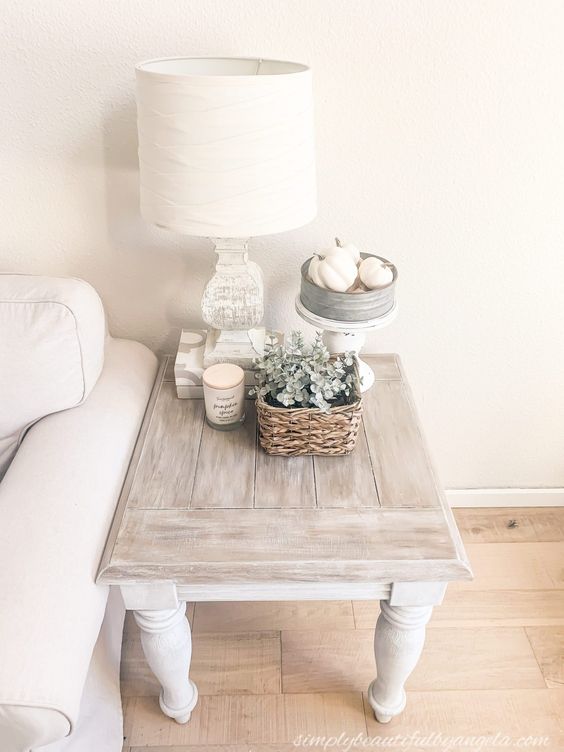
x=224 y=396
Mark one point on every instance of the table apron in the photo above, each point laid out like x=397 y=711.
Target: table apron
x=163 y=595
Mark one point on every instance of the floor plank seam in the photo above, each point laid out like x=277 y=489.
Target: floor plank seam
x=536 y=657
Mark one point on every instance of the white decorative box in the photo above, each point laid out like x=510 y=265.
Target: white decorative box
x=189 y=365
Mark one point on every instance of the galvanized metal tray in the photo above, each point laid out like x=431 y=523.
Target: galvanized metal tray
x=348 y=306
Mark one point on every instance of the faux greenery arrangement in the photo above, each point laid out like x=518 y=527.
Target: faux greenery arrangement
x=299 y=375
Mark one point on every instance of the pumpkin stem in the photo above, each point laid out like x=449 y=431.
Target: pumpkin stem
x=338 y=243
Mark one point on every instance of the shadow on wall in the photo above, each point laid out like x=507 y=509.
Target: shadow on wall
x=151 y=280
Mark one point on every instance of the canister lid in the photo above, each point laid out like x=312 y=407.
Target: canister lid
x=223 y=376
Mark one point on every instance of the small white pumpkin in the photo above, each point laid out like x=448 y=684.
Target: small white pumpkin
x=335 y=271
x=374 y=273
x=313 y=271
x=348 y=248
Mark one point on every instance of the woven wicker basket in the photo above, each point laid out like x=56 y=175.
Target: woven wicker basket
x=308 y=430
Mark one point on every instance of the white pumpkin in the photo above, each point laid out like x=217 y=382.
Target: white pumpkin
x=374 y=273
x=335 y=271
x=313 y=271
x=352 y=250
x=348 y=248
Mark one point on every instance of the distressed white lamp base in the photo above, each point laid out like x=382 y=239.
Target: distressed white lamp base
x=347 y=336
x=238 y=347
x=233 y=306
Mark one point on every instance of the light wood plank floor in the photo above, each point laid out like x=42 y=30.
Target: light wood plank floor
x=269 y=672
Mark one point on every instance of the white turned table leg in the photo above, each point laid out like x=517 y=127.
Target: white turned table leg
x=398 y=641
x=167 y=644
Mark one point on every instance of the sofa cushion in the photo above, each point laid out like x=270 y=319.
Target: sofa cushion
x=52 y=334
x=57 y=501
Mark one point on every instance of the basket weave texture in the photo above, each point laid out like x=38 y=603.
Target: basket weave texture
x=308 y=430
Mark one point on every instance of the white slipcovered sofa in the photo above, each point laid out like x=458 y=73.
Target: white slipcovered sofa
x=71 y=402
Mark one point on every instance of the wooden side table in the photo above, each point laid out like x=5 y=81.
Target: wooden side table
x=208 y=516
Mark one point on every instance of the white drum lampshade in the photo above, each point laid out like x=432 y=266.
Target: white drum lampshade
x=226 y=145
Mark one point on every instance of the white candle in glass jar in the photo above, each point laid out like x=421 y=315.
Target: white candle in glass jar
x=224 y=396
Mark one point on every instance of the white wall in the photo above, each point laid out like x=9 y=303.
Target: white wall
x=440 y=130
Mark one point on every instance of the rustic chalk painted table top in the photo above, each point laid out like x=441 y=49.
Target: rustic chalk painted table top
x=207 y=515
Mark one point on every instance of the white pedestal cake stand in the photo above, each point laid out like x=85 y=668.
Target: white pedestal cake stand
x=346 y=336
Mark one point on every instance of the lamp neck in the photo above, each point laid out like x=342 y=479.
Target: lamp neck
x=231 y=252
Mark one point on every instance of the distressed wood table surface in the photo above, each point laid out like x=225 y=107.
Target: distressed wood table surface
x=206 y=515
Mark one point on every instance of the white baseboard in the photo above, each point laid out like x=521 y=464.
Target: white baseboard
x=506 y=497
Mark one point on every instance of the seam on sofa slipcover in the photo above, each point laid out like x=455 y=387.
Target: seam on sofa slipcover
x=64 y=305
x=39 y=706
x=26 y=428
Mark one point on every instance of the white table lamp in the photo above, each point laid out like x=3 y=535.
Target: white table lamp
x=226 y=151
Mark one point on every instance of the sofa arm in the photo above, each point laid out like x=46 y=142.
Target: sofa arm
x=57 y=501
